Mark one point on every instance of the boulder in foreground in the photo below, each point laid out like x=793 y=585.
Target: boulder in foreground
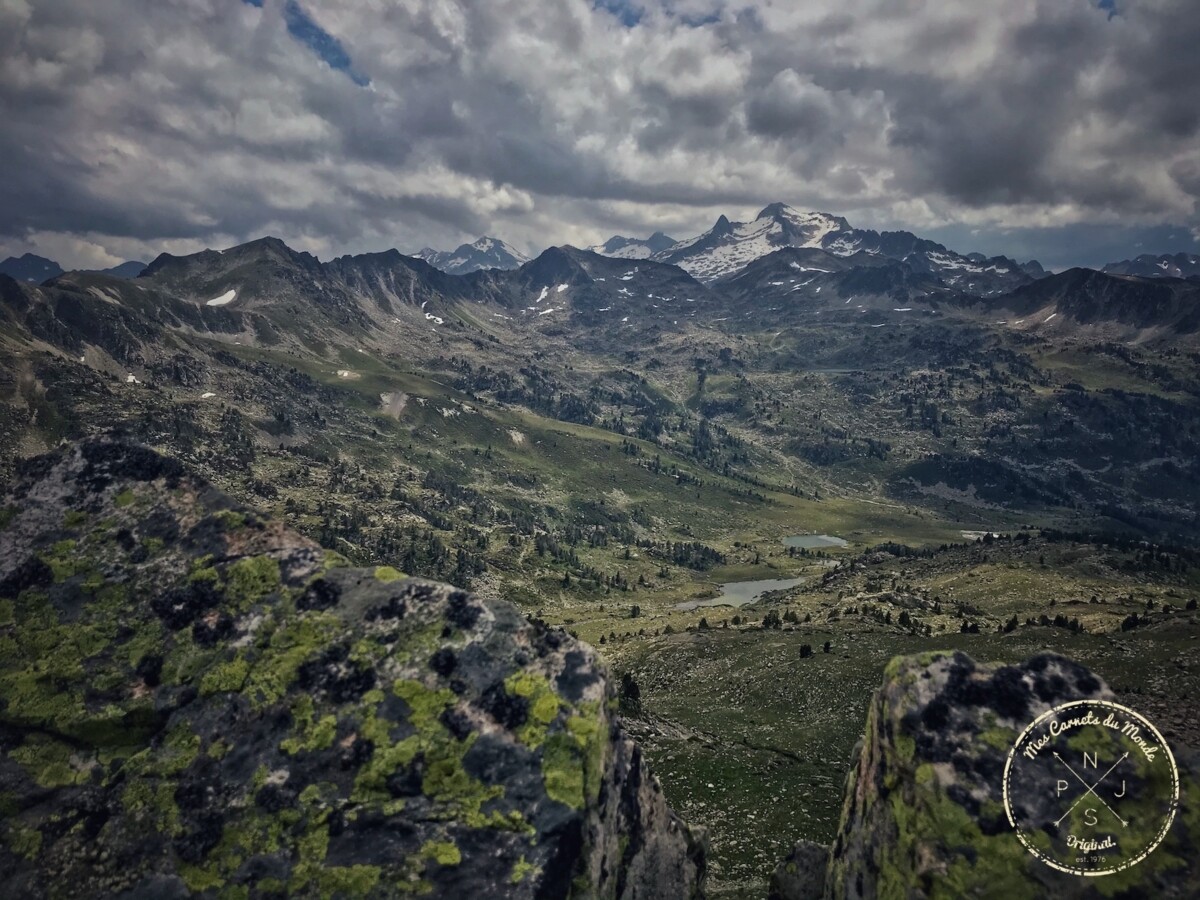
x=923 y=812
x=195 y=701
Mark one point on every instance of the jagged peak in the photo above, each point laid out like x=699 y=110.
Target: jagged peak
x=722 y=227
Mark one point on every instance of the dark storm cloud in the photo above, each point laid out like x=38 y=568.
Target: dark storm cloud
x=345 y=125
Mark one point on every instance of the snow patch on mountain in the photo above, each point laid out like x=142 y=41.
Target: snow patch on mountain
x=225 y=299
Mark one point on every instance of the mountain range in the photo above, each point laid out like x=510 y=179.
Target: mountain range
x=729 y=247
x=36 y=269
x=841 y=274
x=735 y=249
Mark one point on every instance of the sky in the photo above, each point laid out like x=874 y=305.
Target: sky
x=1062 y=130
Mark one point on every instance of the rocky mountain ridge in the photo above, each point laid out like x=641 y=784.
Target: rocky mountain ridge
x=1164 y=265
x=36 y=269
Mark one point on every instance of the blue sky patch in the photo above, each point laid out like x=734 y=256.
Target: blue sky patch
x=630 y=12
x=301 y=26
x=627 y=13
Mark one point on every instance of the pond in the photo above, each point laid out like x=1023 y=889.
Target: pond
x=814 y=541
x=739 y=593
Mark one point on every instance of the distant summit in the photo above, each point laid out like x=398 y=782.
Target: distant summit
x=619 y=247
x=485 y=253
x=30 y=268
x=131 y=269
x=730 y=246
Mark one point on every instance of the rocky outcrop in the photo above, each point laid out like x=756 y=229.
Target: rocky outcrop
x=195 y=701
x=923 y=810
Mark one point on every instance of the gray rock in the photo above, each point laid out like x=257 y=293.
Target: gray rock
x=801 y=876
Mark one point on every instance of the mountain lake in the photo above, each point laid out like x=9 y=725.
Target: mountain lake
x=739 y=593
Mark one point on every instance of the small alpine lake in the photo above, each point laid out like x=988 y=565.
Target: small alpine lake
x=739 y=593
x=814 y=541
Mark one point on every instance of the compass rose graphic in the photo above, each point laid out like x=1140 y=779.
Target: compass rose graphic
x=1091 y=787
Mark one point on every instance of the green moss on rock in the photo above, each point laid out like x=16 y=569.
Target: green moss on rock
x=563 y=770
x=445 y=853
x=62 y=560
x=26 y=842
x=311 y=734
x=250 y=580
x=49 y=762
x=521 y=870
x=230 y=676
x=348 y=881
x=289 y=647
x=543 y=705
x=230 y=519
x=74 y=518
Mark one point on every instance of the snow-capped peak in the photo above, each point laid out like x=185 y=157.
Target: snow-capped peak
x=729 y=246
x=619 y=247
x=485 y=253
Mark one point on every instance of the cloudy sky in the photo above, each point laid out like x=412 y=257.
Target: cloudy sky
x=1065 y=130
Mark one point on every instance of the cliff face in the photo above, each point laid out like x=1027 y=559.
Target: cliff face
x=195 y=701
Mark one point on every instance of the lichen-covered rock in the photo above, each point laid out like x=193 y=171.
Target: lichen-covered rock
x=196 y=701
x=923 y=813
